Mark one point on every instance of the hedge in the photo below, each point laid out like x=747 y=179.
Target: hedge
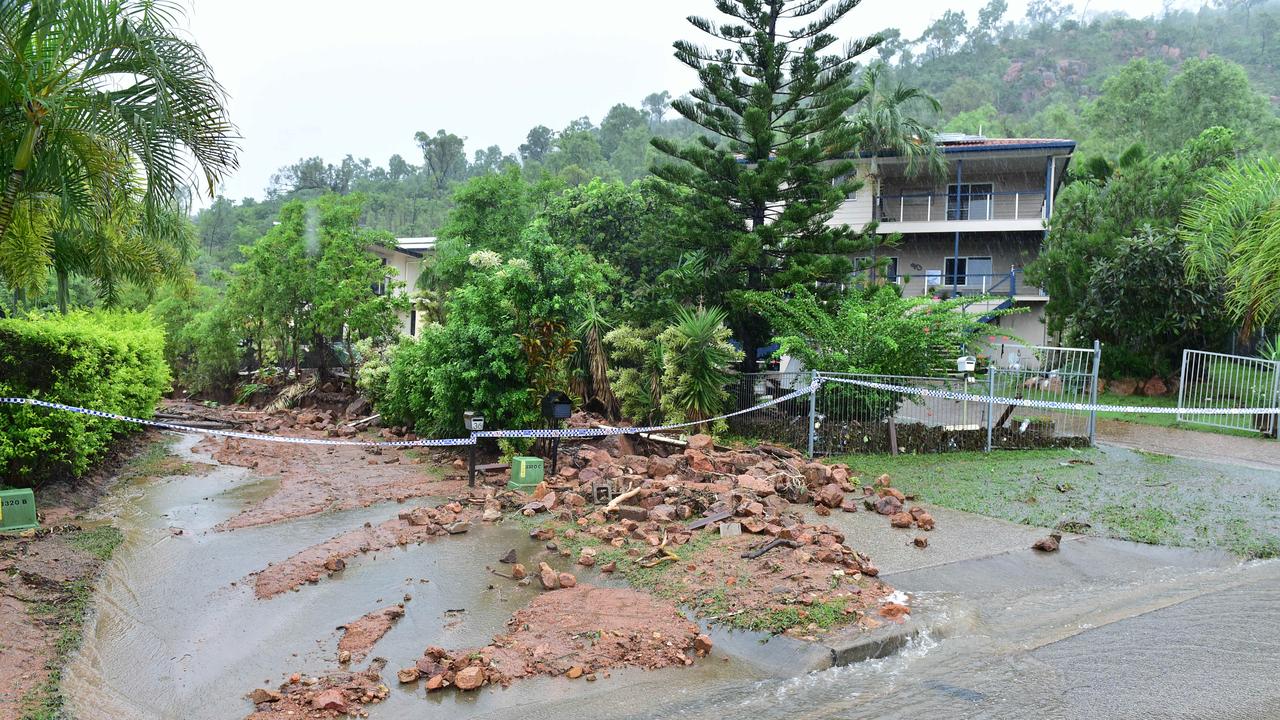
x=111 y=361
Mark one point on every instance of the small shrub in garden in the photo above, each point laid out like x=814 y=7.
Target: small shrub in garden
x=108 y=361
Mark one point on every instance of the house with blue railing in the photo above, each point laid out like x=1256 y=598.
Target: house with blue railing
x=971 y=232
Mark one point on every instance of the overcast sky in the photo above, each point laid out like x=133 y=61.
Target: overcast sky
x=331 y=77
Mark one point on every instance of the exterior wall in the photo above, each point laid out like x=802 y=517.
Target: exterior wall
x=919 y=254
x=407 y=269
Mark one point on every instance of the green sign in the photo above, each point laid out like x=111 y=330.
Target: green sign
x=17 y=510
x=526 y=473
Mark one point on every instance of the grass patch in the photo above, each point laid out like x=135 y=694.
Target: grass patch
x=67 y=613
x=156 y=461
x=1161 y=419
x=1112 y=492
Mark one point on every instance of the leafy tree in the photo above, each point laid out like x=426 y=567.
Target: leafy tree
x=775 y=100
x=445 y=157
x=1233 y=233
x=1140 y=303
x=655 y=106
x=620 y=120
x=697 y=365
x=538 y=144
x=872 y=331
x=92 y=94
x=490 y=212
x=311 y=281
x=1090 y=214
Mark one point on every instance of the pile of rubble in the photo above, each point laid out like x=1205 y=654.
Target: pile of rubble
x=579 y=631
x=342 y=694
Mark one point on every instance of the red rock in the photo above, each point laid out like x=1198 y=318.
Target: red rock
x=262 y=695
x=567 y=580
x=822 y=510
x=894 y=493
x=408 y=675
x=1048 y=544
x=921 y=541
x=884 y=480
x=568 y=472
x=704 y=443
x=1155 y=387
x=609 y=567
x=759 y=486
x=830 y=495
x=1122 y=386
x=816 y=474
x=924 y=521
x=699 y=462
x=660 y=467
x=849 y=505
x=888 y=505
x=663 y=513
x=331 y=699
x=469 y=678
x=518 y=572
x=702 y=644
x=436 y=682
x=549 y=577
x=901 y=520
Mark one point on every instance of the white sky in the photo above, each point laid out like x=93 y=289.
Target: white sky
x=331 y=77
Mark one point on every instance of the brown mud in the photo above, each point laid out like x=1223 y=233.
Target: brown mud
x=320 y=478
x=359 y=637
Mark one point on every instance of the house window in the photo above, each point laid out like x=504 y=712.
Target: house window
x=969 y=201
x=886 y=266
x=380 y=287
x=413 y=322
x=967 y=271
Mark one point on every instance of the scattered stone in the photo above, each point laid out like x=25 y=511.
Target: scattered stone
x=567 y=580
x=888 y=505
x=921 y=541
x=518 y=572
x=262 y=695
x=901 y=520
x=469 y=678
x=509 y=558
x=574 y=672
x=1048 y=544
x=702 y=644
x=457 y=528
x=408 y=675
x=831 y=496
x=331 y=699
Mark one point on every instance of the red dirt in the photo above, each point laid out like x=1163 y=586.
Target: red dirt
x=574 y=632
x=336 y=695
x=318 y=478
x=414 y=525
x=34 y=572
x=359 y=637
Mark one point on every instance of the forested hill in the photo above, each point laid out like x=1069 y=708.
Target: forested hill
x=1038 y=75
x=1108 y=81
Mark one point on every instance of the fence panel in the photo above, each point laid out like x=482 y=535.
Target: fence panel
x=1218 y=380
x=852 y=419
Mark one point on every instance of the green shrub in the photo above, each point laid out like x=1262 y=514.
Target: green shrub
x=697 y=365
x=110 y=361
x=201 y=342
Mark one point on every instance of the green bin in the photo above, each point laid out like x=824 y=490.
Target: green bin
x=526 y=473
x=17 y=510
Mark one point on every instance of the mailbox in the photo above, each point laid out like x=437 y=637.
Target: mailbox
x=17 y=510
x=473 y=421
x=557 y=406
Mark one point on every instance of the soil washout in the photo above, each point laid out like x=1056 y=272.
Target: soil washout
x=414 y=525
x=359 y=637
x=319 y=478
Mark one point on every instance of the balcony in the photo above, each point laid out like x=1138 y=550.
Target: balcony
x=1007 y=284
x=965 y=211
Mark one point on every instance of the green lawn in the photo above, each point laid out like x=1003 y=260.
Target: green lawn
x=1110 y=492
x=1160 y=419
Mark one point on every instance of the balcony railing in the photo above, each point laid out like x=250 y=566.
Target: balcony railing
x=1008 y=283
x=941 y=206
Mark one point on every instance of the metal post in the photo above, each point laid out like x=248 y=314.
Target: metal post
x=1182 y=385
x=471 y=466
x=1093 y=394
x=1275 y=400
x=955 y=263
x=813 y=410
x=991 y=402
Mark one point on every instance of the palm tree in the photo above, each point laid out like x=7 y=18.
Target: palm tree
x=87 y=89
x=1232 y=232
x=885 y=128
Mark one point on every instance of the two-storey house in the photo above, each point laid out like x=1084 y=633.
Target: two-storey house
x=971 y=232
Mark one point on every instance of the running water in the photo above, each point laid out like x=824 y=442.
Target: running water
x=1103 y=629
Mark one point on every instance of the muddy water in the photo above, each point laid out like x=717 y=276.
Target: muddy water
x=1103 y=629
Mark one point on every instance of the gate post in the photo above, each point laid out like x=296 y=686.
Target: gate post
x=1093 y=394
x=1275 y=400
x=813 y=409
x=991 y=401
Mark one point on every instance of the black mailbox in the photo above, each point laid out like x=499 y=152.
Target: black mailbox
x=556 y=406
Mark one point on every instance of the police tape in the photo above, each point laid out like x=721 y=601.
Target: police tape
x=1049 y=404
x=447 y=442
x=175 y=427
x=601 y=432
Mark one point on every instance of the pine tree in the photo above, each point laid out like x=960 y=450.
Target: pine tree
x=775 y=168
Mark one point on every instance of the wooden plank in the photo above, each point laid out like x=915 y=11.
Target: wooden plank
x=712 y=518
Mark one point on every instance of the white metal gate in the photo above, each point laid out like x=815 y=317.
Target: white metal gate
x=1216 y=380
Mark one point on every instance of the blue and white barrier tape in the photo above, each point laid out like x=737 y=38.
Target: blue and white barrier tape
x=454 y=442
x=235 y=434
x=1050 y=404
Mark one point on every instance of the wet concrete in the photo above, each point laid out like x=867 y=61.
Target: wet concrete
x=1010 y=633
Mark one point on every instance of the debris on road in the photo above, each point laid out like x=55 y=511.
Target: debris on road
x=359 y=637
x=1048 y=544
x=340 y=694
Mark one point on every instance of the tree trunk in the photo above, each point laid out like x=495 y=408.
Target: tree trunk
x=62 y=290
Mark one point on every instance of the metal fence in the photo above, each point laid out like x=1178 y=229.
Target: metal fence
x=841 y=418
x=1217 y=380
